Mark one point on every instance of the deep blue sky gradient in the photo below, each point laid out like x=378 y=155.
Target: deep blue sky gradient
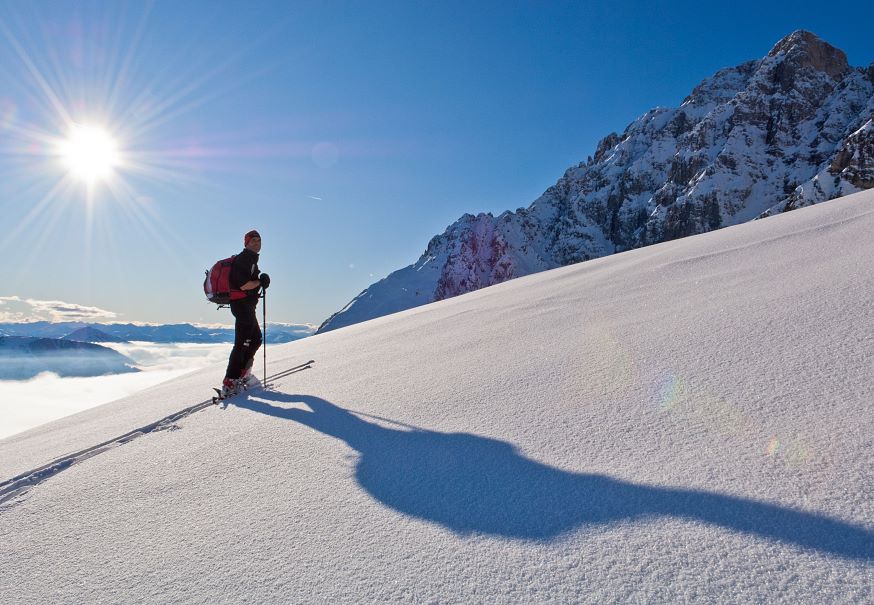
x=349 y=133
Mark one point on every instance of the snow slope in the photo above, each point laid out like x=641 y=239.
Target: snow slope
x=686 y=422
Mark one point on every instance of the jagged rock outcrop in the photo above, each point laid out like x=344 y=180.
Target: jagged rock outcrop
x=478 y=257
x=789 y=130
x=855 y=161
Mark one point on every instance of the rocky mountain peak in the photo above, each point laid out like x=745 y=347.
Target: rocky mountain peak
x=791 y=129
x=804 y=49
x=605 y=145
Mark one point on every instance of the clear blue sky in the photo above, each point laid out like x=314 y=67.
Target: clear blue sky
x=348 y=133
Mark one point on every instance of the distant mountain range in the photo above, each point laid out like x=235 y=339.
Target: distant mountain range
x=171 y=333
x=23 y=357
x=90 y=334
x=67 y=349
x=782 y=132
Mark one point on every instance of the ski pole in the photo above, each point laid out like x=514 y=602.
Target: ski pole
x=264 y=311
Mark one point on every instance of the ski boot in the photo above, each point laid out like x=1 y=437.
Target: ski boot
x=230 y=387
x=247 y=380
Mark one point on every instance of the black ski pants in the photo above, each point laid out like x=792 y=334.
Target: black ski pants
x=247 y=337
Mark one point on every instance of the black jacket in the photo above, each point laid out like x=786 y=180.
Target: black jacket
x=243 y=269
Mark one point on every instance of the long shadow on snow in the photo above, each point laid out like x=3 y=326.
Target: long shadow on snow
x=473 y=484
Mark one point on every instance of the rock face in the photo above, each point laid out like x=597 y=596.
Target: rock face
x=789 y=130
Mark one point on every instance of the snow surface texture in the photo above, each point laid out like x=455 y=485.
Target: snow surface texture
x=789 y=130
x=686 y=422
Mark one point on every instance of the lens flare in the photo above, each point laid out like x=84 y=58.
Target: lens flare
x=669 y=393
x=799 y=453
x=794 y=452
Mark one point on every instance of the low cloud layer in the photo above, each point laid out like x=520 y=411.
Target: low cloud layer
x=28 y=404
x=17 y=309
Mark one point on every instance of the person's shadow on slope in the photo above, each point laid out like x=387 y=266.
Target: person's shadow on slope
x=472 y=484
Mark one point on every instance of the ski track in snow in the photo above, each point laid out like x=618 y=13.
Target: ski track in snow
x=18 y=485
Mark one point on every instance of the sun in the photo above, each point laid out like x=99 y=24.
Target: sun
x=90 y=153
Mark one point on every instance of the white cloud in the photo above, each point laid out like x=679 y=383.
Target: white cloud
x=8 y=312
x=151 y=356
x=17 y=309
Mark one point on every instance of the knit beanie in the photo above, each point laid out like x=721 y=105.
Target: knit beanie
x=249 y=236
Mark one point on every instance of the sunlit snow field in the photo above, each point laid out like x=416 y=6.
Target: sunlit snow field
x=684 y=423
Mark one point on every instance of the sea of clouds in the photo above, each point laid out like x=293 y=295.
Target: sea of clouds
x=26 y=404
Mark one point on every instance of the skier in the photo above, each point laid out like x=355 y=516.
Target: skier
x=245 y=276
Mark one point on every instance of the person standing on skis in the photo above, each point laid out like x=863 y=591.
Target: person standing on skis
x=246 y=277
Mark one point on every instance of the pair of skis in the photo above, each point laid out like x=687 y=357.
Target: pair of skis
x=219 y=396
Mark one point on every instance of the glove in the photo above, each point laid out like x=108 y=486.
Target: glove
x=265 y=280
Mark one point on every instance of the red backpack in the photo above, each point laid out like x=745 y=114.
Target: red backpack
x=217 y=286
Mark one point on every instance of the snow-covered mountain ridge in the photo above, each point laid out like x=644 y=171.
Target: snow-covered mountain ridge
x=786 y=131
x=687 y=422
